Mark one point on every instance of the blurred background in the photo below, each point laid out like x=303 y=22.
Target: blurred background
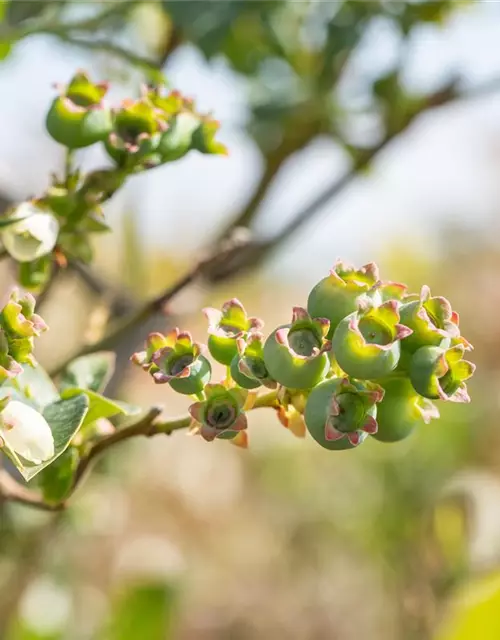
x=365 y=130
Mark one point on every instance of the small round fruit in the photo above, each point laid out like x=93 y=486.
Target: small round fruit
x=199 y=376
x=295 y=366
x=317 y=413
x=240 y=378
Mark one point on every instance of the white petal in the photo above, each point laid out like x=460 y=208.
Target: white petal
x=32 y=237
x=26 y=432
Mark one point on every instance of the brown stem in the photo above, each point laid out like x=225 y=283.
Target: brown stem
x=12 y=491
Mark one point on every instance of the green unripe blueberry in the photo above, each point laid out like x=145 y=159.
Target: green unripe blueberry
x=337 y=295
x=240 y=378
x=401 y=411
x=226 y=327
x=340 y=413
x=78 y=118
x=199 y=376
x=300 y=369
x=438 y=373
x=367 y=343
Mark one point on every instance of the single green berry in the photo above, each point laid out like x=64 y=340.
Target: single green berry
x=240 y=378
x=295 y=354
x=226 y=327
x=78 y=117
x=221 y=414
x=401 y=411
x=340 y=412
x=432 y=320
x=366 y=343
x=204 y=137
x=337 y=295
x=176 y=140
x=440 y=374
x=133 y=141
x=248 y=368
x=175 y=359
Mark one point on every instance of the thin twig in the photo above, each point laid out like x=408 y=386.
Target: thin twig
x=120 y=301
x=146 y=64
x=224 y=252
x=143 y=427
x=12 y=491
x=258 y=250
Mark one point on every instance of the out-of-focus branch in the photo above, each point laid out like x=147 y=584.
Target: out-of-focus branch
x=12 y=491
x=222 y=253
x=120 y=302
x=147 y=426
x=148 y=65
x=258 y=250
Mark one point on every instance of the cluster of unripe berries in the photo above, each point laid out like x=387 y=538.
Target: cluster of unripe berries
x=140 y=134
x=365 y=358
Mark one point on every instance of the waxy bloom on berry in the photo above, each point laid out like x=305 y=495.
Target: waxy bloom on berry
x=401 y=410
x=340 y=412
x=226 y=327
x=221 y=414
x=337 y=295
x=367 y=343
x=440 y=374
x=33 y=236
x=78 y=117
x=177 y=360
x=295 y=354
x=25 y=432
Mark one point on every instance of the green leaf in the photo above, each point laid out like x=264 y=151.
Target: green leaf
x=90 y=372
x=57 y=479
x=145 y=610
x=99 y=406
x=36 y=384
x=35 y=275
x=65 y=417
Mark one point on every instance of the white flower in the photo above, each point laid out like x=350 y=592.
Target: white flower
x=34 y=236
x=26 y=432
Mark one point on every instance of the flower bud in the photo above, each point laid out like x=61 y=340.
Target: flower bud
x=226 y=327
x=78 y=117
x=295 y=354
x=248 y=368
x=26 y=432
x=401 y=410
x=34 y=236
x=440 y=374
x=340 y=412
x=177 y=360
x=366 y=343
x=337 y=295
x=221 y=414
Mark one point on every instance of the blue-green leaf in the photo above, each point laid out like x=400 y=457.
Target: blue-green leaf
x=65 y=417
x=99 y=406
x=90 y=372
